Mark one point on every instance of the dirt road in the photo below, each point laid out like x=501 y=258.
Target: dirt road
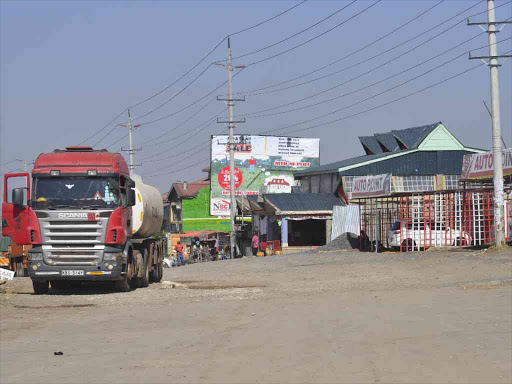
x=345 y=317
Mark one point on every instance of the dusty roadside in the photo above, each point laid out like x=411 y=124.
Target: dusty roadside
x=328 y=317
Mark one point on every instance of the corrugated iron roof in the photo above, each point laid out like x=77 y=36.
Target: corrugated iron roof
x=388 y=140
x=191 y=190
x=371 y=143
x=303 y=202
x=412 y=137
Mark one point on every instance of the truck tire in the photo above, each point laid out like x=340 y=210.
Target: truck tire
x=20 y=271
x=60 y=285
x=160 y=271
x=40 y=287
x=145 y=271
x=122 y=285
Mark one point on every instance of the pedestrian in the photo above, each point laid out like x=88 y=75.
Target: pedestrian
x=179 y=254
x=252 y=164
x=255 y=244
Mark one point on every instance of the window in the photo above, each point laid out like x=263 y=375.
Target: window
x=413 y=183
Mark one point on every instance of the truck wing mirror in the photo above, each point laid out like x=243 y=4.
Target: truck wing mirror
x=131 y=197
x=18 y=195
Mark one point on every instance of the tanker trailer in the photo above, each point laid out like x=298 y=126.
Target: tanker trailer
x=147 y=216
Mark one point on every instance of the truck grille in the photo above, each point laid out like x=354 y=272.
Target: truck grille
x=73 y=242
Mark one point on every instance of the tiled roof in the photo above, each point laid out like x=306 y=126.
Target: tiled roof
x=303 y=202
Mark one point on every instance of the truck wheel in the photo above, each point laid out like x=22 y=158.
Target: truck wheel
x=20 y=271
x=160 y=271
x=60 y=285
x=122 y=285
x=40 y=287
x=145 y=272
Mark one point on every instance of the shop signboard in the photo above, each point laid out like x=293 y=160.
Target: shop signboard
x=371 y=186
x=261 y=163
x=481 y=165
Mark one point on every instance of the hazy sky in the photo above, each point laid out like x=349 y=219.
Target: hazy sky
x=69 y=68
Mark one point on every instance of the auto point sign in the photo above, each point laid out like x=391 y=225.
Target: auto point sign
x=481 y=165
x=371 y=186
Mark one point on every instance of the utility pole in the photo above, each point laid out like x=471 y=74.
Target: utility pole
x=490 y=115
x=231 y=125
x=499 y=204
x=131 y=150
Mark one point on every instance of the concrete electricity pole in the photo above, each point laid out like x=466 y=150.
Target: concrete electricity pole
x=231 y=125
x=499 y=204
x=131 y=150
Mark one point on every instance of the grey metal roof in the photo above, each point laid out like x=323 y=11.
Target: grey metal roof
x=371 y=143
x=303 y=202
x=333 y=167
x=412 y=137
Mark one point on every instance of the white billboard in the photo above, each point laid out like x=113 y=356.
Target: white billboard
x=259 y=161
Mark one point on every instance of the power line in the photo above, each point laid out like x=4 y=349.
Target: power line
x=255 y=92
x=193 y=67
x=104 y=127
x=358 y=113
x=372 y=97
x=381 y=105
x=289 y=37
x=182 y=169
x=175 y=95
x=181 y=124
x=349 y=55
x=212 y=50
x=267 y=20
x=359 y=102
x=317 y=36
x=355 y=78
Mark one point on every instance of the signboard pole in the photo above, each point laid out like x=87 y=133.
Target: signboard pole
x=499 y=204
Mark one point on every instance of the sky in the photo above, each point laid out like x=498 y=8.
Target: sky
x=67 y=69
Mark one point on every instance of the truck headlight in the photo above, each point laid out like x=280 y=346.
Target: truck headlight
x=113 y=256
x=34 y=256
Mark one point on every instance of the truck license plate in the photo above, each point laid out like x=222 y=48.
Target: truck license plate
x=72 y=273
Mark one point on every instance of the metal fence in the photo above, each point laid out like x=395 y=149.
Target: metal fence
x=417 y=221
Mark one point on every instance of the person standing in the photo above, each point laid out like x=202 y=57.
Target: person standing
x=252 y=164
x=179 y=254
x=255 y=244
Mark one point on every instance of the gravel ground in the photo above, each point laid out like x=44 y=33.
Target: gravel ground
x=345 y=316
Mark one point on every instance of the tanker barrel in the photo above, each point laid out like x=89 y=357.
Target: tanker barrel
x=148 y=211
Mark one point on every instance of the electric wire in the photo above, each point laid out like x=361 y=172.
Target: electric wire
x=289 y=37
x=317 y=36
x=257 y=113
x=256 y=91
x=369 y=98
x=193 y=67
x=385 y=104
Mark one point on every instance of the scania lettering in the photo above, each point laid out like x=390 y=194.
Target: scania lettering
x=87 y=218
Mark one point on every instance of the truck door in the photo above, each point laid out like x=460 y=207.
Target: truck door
x=16 y=218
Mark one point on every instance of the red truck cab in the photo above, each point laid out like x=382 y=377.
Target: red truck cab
x=77 y=216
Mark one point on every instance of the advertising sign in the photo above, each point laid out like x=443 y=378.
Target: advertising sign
x=481 y=165
x=260 y=161
x=371 y=186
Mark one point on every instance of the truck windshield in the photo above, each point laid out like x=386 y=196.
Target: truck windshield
x=75 y=192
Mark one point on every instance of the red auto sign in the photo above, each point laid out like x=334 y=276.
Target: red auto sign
x=224 y=178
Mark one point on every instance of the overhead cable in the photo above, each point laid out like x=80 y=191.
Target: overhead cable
x=256 y=92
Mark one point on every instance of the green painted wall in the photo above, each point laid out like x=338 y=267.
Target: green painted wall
x=196 y=214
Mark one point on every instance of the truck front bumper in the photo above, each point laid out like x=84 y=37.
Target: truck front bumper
x=39 y=271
